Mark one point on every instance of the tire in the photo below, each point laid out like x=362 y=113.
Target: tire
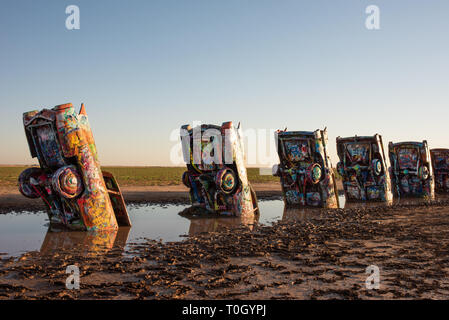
x=186 y=179
x=314 y=173
x=67 y=182
x=423 y=173
x=226 y=180
x=25 y=186
x=377 y=167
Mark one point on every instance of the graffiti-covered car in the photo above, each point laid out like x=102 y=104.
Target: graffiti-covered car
x=440 y=166
x=363 y=168
x=305 y=170
x=216 y=173
x=77 y=194
x=411 y=169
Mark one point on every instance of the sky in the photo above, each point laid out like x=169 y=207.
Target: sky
x=144 y=68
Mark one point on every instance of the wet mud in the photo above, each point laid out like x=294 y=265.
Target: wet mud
x=319 y=255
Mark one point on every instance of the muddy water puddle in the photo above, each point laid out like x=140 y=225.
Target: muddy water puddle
x=21 y=232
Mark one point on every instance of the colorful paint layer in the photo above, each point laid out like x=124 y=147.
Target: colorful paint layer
x=216 y=173
x=363 y=168
x=305 y=169
x=69 y=180
x=440 y=165
x=411 y=169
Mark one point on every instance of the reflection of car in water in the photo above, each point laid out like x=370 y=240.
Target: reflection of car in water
x=301 y=213
x=305 y=170
x=201 y=224
x=411 y=169
x=440 y=166
x=367 y=204
x=75 y=191
x=363 y=168
x=86 y=243
x=216 y=173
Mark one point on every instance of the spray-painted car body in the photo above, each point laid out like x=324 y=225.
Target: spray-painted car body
x=305 y=169
x=216 y=173
x=77 y=193
x=440 y=166
x=363 y=169
x=411 y=169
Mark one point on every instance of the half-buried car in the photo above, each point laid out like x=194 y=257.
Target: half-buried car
x=305 y=169
x=77 y=194
x=440 y=165
x=216 y=174
x=363 y=168
x=411 y=169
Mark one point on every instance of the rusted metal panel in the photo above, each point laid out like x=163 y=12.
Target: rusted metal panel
x=216 y=173
x=118 y=203
x=363 y=168
x=69 y=180
x=305 y=169
x=411 y=169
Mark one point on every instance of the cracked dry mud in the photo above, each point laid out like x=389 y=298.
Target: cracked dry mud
x=322 y=257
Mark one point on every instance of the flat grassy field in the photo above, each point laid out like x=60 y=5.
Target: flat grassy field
x=9 y=175
x=136 y=176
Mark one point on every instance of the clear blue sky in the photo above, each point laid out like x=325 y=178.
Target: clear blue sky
x=144 y=68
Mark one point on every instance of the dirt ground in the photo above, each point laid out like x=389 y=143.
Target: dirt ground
x=321 y=255
x=12 y=200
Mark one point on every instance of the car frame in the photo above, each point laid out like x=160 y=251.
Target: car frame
x=305 y=169
x=363 y=168
x=216 y=174
x=440 y=166
x=77 y=194
x=411 y=171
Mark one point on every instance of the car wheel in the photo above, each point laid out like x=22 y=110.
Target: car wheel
x=226 y=180
x=423 y=173
x=314 y=173
x=26 y=186
x=377 y=166
x=67 y=182
x=186 y=179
